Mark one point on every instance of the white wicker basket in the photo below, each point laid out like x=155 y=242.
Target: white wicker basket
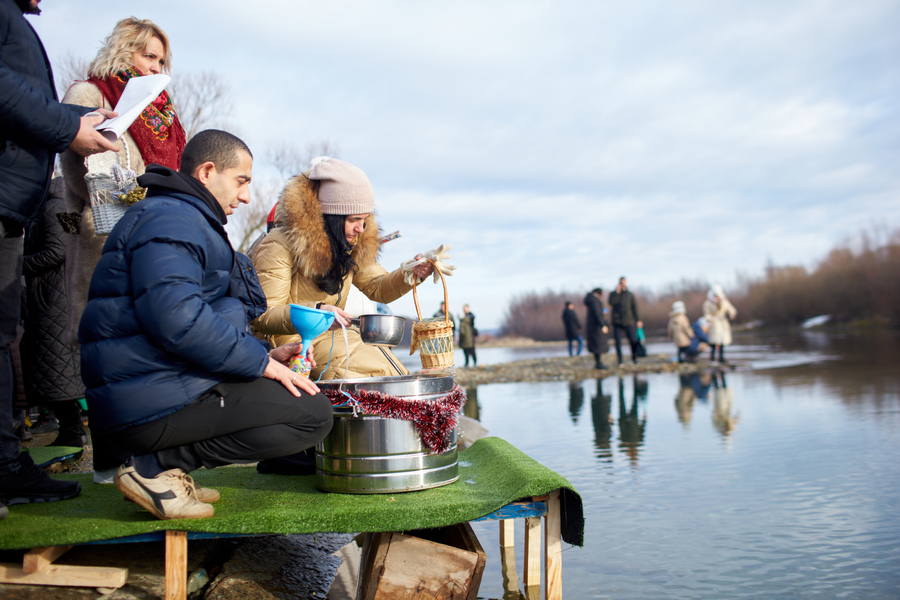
x=106 y=179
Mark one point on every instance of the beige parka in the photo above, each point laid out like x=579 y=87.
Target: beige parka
x=290 y=260
x=680 y=330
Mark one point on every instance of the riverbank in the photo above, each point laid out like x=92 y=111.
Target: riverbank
x=577 y=368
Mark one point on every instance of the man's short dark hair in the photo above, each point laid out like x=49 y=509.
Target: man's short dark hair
x=212 y=145
x=597 y=291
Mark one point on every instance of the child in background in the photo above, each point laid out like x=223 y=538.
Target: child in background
x=679 y=329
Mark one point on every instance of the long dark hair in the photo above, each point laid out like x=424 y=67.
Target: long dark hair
x=340 y=252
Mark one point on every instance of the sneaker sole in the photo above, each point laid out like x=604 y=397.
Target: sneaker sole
x=13 y=500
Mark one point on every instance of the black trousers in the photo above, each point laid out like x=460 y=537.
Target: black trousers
x=234 y=422
x=470 y=352
x=630 y=332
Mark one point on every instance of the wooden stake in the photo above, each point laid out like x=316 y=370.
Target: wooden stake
x=176 y=565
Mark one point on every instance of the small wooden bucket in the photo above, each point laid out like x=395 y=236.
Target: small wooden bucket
x=433 y=337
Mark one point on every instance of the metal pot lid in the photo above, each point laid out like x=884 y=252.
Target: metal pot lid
x=405 y=385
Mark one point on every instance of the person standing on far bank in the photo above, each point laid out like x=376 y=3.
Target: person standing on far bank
x=625 y=318
x=467 y=334
x=597 y=328
x=573 y=328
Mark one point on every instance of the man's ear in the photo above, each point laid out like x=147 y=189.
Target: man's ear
x=203 y=172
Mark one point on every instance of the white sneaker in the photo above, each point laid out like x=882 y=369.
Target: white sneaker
x=169 y=495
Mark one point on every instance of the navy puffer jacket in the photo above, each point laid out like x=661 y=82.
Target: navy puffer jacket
x=33 y=125
x=168 y=312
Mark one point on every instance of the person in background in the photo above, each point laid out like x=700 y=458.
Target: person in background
x=135 y=48
x=596 y=327
x=34 y=127
x=51 y=365
x=573 y=328
x=699 y=342
x=719 y=312
x=467 y=335
x=679 y=329
x=440 y=313
x=625 y=319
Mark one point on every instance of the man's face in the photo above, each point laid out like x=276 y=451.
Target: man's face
x=33 y=4
x=623 y=284
x=231 y=187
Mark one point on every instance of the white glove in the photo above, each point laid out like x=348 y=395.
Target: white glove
x=438 y=255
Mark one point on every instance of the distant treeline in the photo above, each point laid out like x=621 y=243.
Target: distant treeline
x=857 y=280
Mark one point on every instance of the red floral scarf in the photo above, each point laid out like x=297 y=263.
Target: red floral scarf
x=157 y=131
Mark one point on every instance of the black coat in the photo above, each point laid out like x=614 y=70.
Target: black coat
x=573 y=325
x=51 y=367
x=597 y=341
x=33 y=125
x=624 y=308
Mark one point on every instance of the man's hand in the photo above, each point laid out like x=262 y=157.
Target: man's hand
x=283 y=354
x=290 y=380
x=90 y=141
x=640 y=324
x=605 y=329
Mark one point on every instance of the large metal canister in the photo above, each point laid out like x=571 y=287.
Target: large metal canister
x=368 y=454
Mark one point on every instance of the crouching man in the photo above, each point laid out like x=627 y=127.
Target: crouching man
x=172 y=373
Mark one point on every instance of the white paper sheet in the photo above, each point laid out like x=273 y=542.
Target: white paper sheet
x=138 y=93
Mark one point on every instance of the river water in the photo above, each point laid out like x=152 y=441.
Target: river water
x=780 y=479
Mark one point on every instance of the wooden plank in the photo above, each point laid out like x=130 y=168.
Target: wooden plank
x=532 y=575
x=553 y=548
x=416 y=568
x=508 y=568
x=176 y=565
x=65 y=575
x=507 y=533
x=40 y=558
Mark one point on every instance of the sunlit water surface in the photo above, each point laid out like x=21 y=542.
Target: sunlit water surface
x=780 y=481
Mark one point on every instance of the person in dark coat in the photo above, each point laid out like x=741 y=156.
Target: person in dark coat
x=467 y=335
x=172 y=370
x=34 y=126
x=625 y=320
x=51 y=365
x=596 y=327
x=573 y=328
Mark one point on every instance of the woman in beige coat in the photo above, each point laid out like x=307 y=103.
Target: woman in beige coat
x=719 y=312
x=133 y=49
x=680 y=329
x=325 y=240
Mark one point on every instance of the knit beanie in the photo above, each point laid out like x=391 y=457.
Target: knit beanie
x=678 y=307
x=343 y=188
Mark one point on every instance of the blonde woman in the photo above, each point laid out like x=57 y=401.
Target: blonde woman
x=719 y=312
x=135 y=48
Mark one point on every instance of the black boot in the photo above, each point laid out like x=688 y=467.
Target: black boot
x=71 y=433
x=26 y=482
x=302 y=463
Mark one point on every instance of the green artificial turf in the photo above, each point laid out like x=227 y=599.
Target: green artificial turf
x=47 y=455
x=492 y=473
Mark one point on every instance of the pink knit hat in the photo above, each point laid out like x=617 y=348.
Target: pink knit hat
x=344 y=189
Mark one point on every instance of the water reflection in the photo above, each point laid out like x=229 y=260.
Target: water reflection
x=601 y=415
x=576 y=400
x=631 y=424
x=684 y=400
x=723 y=400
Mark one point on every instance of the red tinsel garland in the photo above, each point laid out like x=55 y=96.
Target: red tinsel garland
x=434 y=419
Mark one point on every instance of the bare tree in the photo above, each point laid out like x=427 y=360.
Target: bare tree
x=202 y=100
x=68 y=70
x=291 y=160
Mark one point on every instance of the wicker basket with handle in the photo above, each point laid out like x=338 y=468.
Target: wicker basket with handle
x=433 y=337
x=107 y=181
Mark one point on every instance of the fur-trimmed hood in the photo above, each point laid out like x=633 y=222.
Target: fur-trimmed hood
x=300 y=218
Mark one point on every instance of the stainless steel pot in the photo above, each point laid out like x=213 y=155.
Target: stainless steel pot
x=380 y=330
x=368 y=454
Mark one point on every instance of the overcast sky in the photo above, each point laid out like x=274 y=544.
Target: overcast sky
x=557 y=145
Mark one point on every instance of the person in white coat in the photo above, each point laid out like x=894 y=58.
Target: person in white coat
x=719 y=312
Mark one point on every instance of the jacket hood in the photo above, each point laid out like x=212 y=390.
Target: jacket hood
x=299 y=217
x=162 y=181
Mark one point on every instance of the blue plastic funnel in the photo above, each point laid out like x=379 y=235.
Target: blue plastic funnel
x=310 y=322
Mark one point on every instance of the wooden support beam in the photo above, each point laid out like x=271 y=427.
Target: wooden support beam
x=532 y=574
x=65 y=575
x=507 y=533
x=176 y=565
x=553 y=548
x=41 y=558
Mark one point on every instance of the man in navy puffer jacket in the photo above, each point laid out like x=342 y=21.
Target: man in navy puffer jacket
x=172 y=372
